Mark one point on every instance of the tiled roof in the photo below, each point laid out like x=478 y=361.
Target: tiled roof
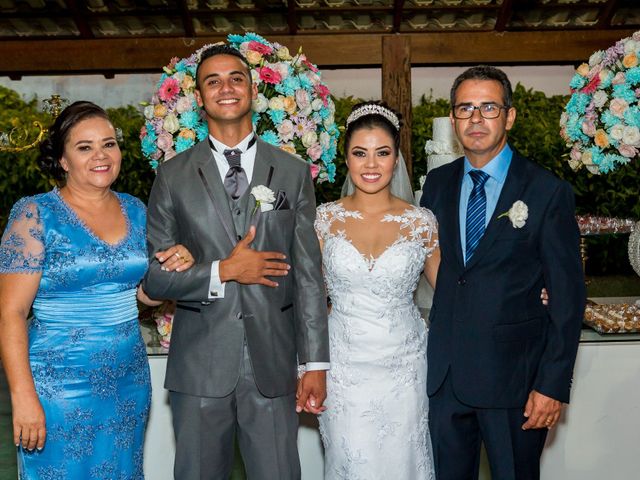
x=60 y=19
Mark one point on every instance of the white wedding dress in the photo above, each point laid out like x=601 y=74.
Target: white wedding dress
x=375 y=425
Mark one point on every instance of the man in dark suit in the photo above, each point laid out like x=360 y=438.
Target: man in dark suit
x=253 y=305
x=500 y=363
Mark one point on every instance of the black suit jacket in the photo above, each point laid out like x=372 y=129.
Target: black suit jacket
x=489 y=328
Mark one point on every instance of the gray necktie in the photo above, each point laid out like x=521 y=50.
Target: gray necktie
x=235 y=181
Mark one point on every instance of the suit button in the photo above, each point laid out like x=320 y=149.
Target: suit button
x=239 y=316
x=462 y=281
x=237 y=212
x=239 y=237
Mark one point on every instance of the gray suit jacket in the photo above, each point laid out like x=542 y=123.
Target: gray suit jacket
x=188 y=205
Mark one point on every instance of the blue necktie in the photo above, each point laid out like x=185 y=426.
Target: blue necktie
x=476 y=212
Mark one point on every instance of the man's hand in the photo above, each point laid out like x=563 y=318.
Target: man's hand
x=541 y=411
x=312 y=392
x=249 y=266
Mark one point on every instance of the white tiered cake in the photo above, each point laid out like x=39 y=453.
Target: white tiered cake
x=444 y=147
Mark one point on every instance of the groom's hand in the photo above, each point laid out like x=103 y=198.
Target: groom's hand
x=249 y=266
x=541 y=411
x=312 y=392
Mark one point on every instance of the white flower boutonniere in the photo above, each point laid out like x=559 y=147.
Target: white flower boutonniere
x=264 y=198
x=518 y=214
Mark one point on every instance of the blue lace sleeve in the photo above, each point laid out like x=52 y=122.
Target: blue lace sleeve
x=22 y=245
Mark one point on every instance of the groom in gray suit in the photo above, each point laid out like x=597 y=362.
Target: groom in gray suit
x=253 y=305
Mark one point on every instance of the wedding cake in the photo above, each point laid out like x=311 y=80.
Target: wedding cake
x=444 y=147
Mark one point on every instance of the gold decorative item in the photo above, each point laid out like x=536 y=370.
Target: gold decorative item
x=22 y=138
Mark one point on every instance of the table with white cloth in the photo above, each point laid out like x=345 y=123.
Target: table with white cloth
x=597 y=437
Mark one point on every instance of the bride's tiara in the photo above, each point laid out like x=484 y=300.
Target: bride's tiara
x=374 y=109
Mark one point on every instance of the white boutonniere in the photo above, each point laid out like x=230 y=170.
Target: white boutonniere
x=264 y=198
x=518 y=214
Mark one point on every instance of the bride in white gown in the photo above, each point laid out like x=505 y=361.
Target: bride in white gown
x=375 y=246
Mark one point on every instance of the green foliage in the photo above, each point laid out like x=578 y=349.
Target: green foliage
x=422 y=130
x=535 y=135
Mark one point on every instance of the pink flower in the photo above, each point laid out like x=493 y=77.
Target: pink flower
x=169 y=89
x=260 y=47
x=310 y=66
x=285 y=130
x=627 y=150
x=576 y=154
x=315 y=170
x=165 y=141
x=268 y=75
x=588 y=128
x=173 y=62
x=619 y=79
x=618 y=106
x=314 y=151
x=143 y=132
x=169 y=154
x=302 y=99
x=592 y=85
x=323 y=92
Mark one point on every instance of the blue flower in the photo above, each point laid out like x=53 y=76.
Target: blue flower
x=288 y=86
x=202 y=131
x=154 y=164
x=574 y=128
x=624 y=92
x=577 y=82
x=183 y=144
x=234 y=38
x=277 y=116
x=190 y=119
x=633 y=75
x=331 y=172
x=609 y=119
x=305 y=82
x=578 y=103
x=632 y=116
x=324 y=113
x=151 y=131
x=180 y=66
x=255 y=118
x=254 y=36
x=148 y=145
x=271 y=137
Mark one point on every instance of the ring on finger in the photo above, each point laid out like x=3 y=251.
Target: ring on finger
x=178 y=255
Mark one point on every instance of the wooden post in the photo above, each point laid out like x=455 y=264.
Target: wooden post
x=396 y=86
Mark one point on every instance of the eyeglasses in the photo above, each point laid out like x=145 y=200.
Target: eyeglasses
x=487 y=110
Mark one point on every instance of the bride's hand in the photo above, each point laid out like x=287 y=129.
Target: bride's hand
x=176 y=258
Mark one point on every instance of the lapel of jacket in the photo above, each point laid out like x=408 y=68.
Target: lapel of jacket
x=450 y=220
x=209 y=175
x=262 y=171
x=511 y=191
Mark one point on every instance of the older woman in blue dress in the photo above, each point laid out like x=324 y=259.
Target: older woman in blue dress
x=78 y=372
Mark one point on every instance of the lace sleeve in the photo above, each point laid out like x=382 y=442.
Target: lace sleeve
x=427 y=228
x=22 y=245
x=322 y=223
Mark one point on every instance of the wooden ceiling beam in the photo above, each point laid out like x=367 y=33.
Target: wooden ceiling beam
x=46 y=57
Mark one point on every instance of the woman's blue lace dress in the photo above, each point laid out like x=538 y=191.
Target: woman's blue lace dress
x=88 y=360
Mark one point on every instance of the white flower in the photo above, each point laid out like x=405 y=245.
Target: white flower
x=283 y=53
x=421 y=181
x=281 y=68
x=309 y=138
x=276 y=103
x=185 y=104
x=264 y=198
x=596 y=58
x=518 y=214
x=286 y=130
x=631 y=136
x=255 y=77
x=599 y=99
x=260 y=104
x=148 y=112
x=317 y=104
x=631 y=46
x=171 y=123
x=617 y=131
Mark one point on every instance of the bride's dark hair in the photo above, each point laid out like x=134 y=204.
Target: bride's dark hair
x=373 y=114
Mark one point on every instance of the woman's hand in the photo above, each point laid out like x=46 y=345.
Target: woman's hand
x=176 y=258
x=28 y=421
